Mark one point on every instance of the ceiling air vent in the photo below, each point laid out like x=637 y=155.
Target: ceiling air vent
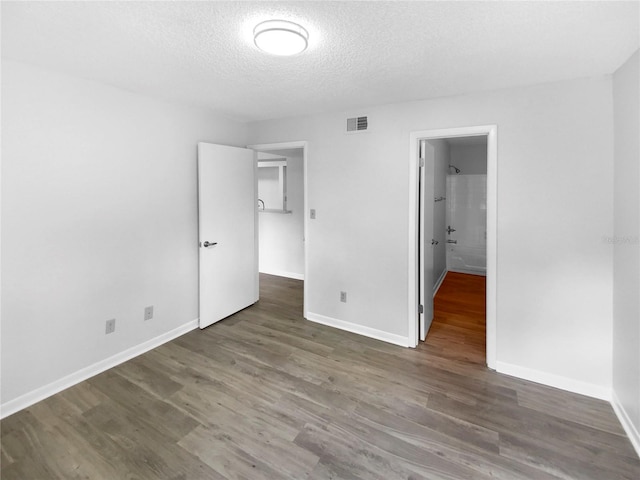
x=357 y=124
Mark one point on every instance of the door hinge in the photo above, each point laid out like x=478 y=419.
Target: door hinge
x=420 y=309
x=422 y=162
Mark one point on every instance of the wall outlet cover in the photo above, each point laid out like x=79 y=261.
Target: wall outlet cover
x=110 y=326
x=148 y=312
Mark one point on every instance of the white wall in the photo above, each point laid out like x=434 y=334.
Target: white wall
x=555 y=202
x=282 y=236
x=99 y=220
x=441 y=150
x=625 y=243
x=470 y=159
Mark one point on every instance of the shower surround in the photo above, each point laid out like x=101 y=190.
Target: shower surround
x=467 y=216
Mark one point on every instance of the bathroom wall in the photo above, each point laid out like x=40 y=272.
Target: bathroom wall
x=470 y=159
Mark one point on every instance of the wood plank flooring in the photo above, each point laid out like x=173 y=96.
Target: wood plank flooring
x=458 y=331
x=267 y=395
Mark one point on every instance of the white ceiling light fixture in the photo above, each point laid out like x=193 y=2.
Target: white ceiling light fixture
x=280 y=37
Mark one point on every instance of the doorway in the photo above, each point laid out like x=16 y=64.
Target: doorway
x=459 y=253
x=282 y=187
x=421 y=207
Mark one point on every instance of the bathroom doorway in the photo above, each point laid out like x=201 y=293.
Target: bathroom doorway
x=469 y=249
x=459 y=255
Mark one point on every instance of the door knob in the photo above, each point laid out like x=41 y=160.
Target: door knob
x=449 y=229
x=452 y=241
x=209 y=244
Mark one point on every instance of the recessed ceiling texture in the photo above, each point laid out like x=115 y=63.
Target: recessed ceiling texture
x=359 y=53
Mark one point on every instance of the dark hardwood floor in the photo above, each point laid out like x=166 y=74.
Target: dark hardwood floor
x=267 y=395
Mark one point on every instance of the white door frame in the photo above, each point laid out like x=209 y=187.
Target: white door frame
x=491 y=131
x=265 y=147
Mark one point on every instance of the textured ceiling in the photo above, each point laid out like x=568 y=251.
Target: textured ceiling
x=360 y=53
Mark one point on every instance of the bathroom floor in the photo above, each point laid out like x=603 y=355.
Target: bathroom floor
x=459 y=325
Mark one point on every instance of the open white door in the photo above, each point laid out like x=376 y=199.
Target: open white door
x=427 y=173
x=228 y=234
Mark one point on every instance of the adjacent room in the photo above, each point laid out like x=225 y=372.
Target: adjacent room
x=322 y=240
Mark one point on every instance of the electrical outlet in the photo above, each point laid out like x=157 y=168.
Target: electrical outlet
x=148 y=312
x=110 y=326
x=312 y=214
x=343 y=297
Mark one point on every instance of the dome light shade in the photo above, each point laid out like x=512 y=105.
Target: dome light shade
x=280 y=37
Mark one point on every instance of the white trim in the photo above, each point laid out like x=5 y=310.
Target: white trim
x=492 y=229
x=28 y=399
x=556 y=381
x=359 y=329
x=414 y=167
x=305 y=147
x=492 y=247
x=281 y=273
x=439 y=282
x=627 y=424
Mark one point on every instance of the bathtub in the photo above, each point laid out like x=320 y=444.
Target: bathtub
x=467 y=259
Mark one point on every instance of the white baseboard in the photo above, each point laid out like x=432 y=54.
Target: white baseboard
x=281 y=273
x=557 y=381
x=468 y=272
x=28 y=399
x=439 y=282
x=359 y=329
x=627 y=424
